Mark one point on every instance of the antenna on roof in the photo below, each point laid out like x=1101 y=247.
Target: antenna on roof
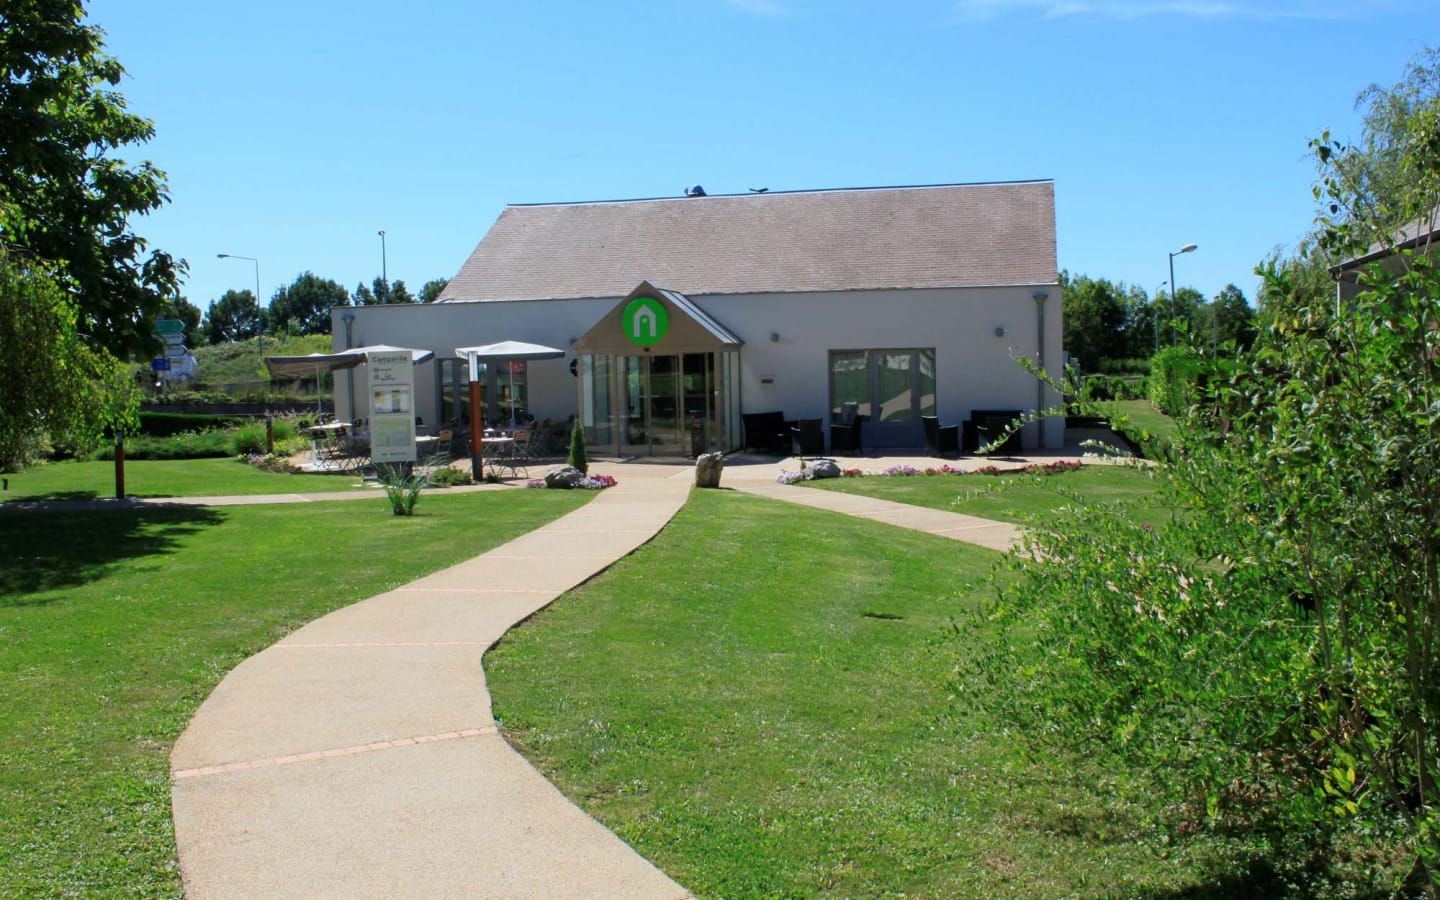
x=758 y=190
x=695 y=190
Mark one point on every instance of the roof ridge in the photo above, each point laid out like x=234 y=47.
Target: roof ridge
x=770 y=193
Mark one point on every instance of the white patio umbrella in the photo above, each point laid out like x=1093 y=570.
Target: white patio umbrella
x=506 y=351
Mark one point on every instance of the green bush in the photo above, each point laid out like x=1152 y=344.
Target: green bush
x=187 y=445
x=448 y=477
x=1125 y=366
x=164 y=424
x=1174 y=373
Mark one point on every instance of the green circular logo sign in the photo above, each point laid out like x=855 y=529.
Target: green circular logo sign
x=645 y=321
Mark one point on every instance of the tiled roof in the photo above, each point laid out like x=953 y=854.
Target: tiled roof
x=864 y=238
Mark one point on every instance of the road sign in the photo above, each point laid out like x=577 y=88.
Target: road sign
x=173 y=338
x=176 y=352
x=160 y=364
x=169 y=326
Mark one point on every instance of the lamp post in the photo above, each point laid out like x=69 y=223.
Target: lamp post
x=383 y=276
x=1155 y=315
x=257 y=294
x=1185 y=249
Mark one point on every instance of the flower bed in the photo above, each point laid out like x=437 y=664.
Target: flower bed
x=906 y=471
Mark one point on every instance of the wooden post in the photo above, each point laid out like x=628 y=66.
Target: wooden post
x=269 y=434
x=477 y=432
x=119 y=465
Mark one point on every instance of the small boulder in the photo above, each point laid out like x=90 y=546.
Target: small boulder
x=708 y=467
x=563 y=477
x=821 y=468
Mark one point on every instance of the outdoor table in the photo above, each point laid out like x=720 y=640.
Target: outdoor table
x=330 y=431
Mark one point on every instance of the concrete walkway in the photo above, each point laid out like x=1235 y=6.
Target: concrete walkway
x=358 y=756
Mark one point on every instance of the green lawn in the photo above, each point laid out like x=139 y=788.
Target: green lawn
x=774 y=717
x=1014 y=497
x=72 y=480
x=1147 y=424
x=116 y=625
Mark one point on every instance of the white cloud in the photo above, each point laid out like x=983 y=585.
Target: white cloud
x=987 y=10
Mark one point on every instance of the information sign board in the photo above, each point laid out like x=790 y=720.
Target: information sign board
x=392 y=420
x=169 y=326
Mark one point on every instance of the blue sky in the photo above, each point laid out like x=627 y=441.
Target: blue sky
x=294 y=132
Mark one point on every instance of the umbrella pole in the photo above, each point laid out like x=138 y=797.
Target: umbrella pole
x=477 y=432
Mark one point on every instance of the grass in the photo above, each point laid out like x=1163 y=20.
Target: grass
x=1147 y=424
x=70 y=480
x=1014 y=497
x=117 y=624
x=775 y=718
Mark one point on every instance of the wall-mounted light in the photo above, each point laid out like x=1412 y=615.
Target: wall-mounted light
x=999 y=330
x=774 y=337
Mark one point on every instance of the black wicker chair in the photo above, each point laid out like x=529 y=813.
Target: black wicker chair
x=807 y=438
x=939 y=439
x=845 y=430
x=767 y=432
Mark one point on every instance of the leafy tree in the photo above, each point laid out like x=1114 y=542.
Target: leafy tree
x=364 y=296
x=185 y=311
x=1272 y=654
x=399 y=293
x=1232 y=317
x=430 y=290
x=304 y=305
x=234 y=317
x=70 y=200
x=54 y=387
x=1094 y=319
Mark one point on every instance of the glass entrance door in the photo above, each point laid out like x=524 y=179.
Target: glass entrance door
x=669 y=405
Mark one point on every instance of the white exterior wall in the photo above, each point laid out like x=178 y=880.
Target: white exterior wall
x=975 y=369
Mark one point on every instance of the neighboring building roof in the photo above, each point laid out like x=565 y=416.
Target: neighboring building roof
x=1419 y=234
x=828 y=240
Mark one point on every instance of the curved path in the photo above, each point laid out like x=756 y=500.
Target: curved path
x=358 y=756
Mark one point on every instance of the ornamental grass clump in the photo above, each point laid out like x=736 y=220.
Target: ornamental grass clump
x=402 y=488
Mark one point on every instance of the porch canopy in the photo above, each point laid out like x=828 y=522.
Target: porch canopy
x=315 y=363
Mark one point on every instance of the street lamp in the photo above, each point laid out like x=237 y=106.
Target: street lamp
x=383 y=276
x=257 y=294
x=1185 y=249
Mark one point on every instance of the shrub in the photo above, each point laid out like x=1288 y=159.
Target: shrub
x=448 y=477
x=1174 y=373
x=577 y=457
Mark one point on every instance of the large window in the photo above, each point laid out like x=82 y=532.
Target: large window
x=892 y=388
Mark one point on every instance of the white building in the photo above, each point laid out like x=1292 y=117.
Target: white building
x=677 y=315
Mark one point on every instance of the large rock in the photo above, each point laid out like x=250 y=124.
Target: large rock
x=708 y=467
x=563 y=477
x=821 y=468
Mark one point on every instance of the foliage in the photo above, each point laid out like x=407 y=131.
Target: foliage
x=449 y=477
x=162 y=424
x=240 y=362
x=402 y=487
x=1276 y=650
x=1233 y=321
x=185 y=445
x=236 y=316
x=64 y=199
x=303 y=306
x=185 y=311
x=382 y=292
x=577 y=456
x=1172 y=382
x=1094 y=319
x=54 y=386
x=430 y=291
